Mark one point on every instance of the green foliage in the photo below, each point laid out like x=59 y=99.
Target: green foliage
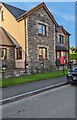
x=73 y=56
x=74 y=50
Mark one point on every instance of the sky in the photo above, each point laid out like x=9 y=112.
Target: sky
x=63 y=12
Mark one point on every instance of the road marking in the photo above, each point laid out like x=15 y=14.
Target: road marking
x=51 y=90
x=59 y=88
x=28 y=94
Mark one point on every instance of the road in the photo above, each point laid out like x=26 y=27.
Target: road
x=24 y=88
x=55 y=103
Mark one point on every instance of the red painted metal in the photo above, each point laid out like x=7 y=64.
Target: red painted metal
x=62 y=60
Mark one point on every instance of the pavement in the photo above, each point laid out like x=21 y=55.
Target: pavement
x=28 y=87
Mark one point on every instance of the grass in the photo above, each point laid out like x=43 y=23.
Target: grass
x=30 y=78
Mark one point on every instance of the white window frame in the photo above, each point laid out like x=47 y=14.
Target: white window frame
x=43 y=51
x=42 y=46
x=42 y=23
x=62 y=35
x=5 y=53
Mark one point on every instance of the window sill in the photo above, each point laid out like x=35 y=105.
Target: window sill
x=3 y=59
x=42 y=35
x=43 y=59
x=18 y=58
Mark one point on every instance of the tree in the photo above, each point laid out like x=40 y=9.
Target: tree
x=76 y=49
x=71 y=55
x=72 y=48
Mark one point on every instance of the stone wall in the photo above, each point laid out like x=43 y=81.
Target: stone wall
x=12 y=73
x=35 y=40
x=22 y=72
x=9 y=62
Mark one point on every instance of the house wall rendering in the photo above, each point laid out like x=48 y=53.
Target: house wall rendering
x=16 y=29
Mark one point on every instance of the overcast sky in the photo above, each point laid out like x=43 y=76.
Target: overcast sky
x=63 y=12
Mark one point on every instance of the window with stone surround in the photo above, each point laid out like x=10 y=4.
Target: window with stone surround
x=61 y=39
x=3 y=52
x=42 y=53
x=42 y=29
x=19 y=53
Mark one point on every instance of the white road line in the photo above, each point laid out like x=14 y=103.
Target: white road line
x=51 y=90
x=35 y=91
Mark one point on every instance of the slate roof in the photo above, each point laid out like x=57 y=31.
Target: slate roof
x=16 y=12
x=61 y=47
x=19 y=13
x=35 y=9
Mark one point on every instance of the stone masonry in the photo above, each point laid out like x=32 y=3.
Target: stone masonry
x=35 y=40
x=9 y=62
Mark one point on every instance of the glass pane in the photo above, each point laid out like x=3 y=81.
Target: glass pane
x=3 y=53
x=58 y=55
x=58 y=38
x=44 y=29
x=40 y=28
x=44 y=53
x=19 y=53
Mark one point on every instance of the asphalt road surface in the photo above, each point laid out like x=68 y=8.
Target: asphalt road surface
x=24 y=88
x=55 y=103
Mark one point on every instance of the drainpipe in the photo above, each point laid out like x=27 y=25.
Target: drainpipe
x=68 y=49
x=26 y=43
x=54 y=46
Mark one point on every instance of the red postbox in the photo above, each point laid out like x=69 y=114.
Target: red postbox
x=62 y=60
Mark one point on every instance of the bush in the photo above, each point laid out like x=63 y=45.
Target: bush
x=73 y=56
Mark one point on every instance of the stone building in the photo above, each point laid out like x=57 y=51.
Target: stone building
x=38 y=41
x=62 y=43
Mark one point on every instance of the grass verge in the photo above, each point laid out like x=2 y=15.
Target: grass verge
x=30 y=78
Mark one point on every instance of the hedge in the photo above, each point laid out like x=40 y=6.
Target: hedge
x=73 y=56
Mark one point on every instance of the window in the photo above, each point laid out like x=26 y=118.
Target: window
x=58 y=55
x=61 y=39
x=19 y=53
x=63 y=54
x=3 y=53
x=2 y=15
x=42 y=53
x=41 y=29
